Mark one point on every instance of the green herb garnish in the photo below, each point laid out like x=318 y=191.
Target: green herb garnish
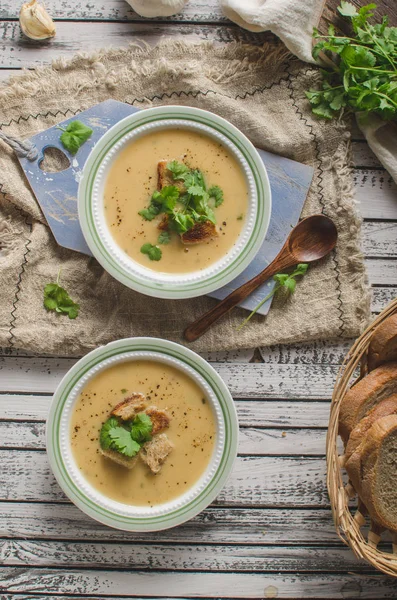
x=153 y=252
x=283 y=281
x=362 y=73
x=184 y=206
x=104 y=439
x=57 y=299
x=141 y=428
x=74 y=135
x=122 y=442
x=164 y=238
x=216 y=193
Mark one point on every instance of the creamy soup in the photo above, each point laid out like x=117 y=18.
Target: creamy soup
x=191 y=431
x=133 y=179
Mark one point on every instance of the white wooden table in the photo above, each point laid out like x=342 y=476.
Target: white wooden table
x=270 y=533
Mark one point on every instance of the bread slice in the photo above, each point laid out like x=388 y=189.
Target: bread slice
x=165 y=178
x=155 y=452
x=383 y=346
x=131 y=406
x=128 y=462
x=160 y=419
x=376 y=386
x=379 y=472
x=386 y=407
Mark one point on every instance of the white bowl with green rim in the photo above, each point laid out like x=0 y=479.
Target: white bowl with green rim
x=99 y=506
x=112 y=257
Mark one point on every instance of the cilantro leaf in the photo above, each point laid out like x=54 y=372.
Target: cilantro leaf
x=57 y=299
x=217 y=193
x=141 y=428
x=177 y=169
x=346 y=9
x=122 y=442
x=164 y=238
x=153 y=252
x=149 y=213
x=182 y=222
x=104 y=439
x=74 y=135
x=285 y=281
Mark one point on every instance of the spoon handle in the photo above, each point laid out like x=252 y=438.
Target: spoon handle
x=203 y=323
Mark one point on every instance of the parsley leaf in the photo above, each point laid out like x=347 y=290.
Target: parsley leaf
x=286 y=281
x=122 y=441
x=164 y=238
x=74 y=135
x=362 y=74
x=153 y=252
x=57 y=299
x=216 y=193
x=141 y=428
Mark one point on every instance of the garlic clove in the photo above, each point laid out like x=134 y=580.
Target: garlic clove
x=157 y=8
x=35 y=21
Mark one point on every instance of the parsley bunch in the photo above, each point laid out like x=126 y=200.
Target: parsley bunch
x=285 y=281
x=363 y=68
x=126 y=438
x=183 y=207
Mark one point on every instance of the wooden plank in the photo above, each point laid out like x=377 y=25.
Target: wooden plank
x=382 y=296
x=253 y=380
x=213 y=526
x=381 y=271
x=255 y=481
x=318 y=352
x=73 y=37
x=18 y=407
x=376 y=192
x=380 y=239
x=198 y=585
x=178 y=557
x=118 y=10
x=363 y=157
x=252 y=441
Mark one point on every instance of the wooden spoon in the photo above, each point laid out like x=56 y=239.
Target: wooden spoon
x=311 y=239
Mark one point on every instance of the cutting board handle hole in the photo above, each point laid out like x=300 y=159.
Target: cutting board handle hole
x=54 y=160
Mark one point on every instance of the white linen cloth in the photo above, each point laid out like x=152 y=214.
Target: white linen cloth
x=291 y=20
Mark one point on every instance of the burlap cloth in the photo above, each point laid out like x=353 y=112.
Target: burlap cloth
x=261 y=91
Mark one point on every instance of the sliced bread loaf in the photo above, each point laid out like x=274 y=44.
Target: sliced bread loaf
x=386 y=407
x=358 y=437
x=383 y=346
x=376 y=386
x=378 y=475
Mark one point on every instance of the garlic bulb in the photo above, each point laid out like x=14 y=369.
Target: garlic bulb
x=35 y=21
x=157 y=8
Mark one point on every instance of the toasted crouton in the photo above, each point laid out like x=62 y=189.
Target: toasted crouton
x=200 y=232
x=164 y=177
x=155 y=452
x=163 y=225
x=129 y=407
x=160 y=419
x=128 y=462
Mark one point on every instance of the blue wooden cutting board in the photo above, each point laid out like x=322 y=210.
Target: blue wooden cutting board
x=57 y=193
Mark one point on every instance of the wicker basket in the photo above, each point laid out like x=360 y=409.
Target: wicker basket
x=350 y=522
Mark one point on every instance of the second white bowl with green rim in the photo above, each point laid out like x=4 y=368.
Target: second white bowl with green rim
x=125 y=516
x=112 y=257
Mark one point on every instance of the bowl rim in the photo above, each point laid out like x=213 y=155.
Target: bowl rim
x=124 y=268
x=115 y=514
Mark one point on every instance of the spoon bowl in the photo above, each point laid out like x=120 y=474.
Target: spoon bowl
x=312 y=239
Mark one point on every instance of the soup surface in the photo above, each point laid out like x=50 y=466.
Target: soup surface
x=133 y=179
x=192 y=432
